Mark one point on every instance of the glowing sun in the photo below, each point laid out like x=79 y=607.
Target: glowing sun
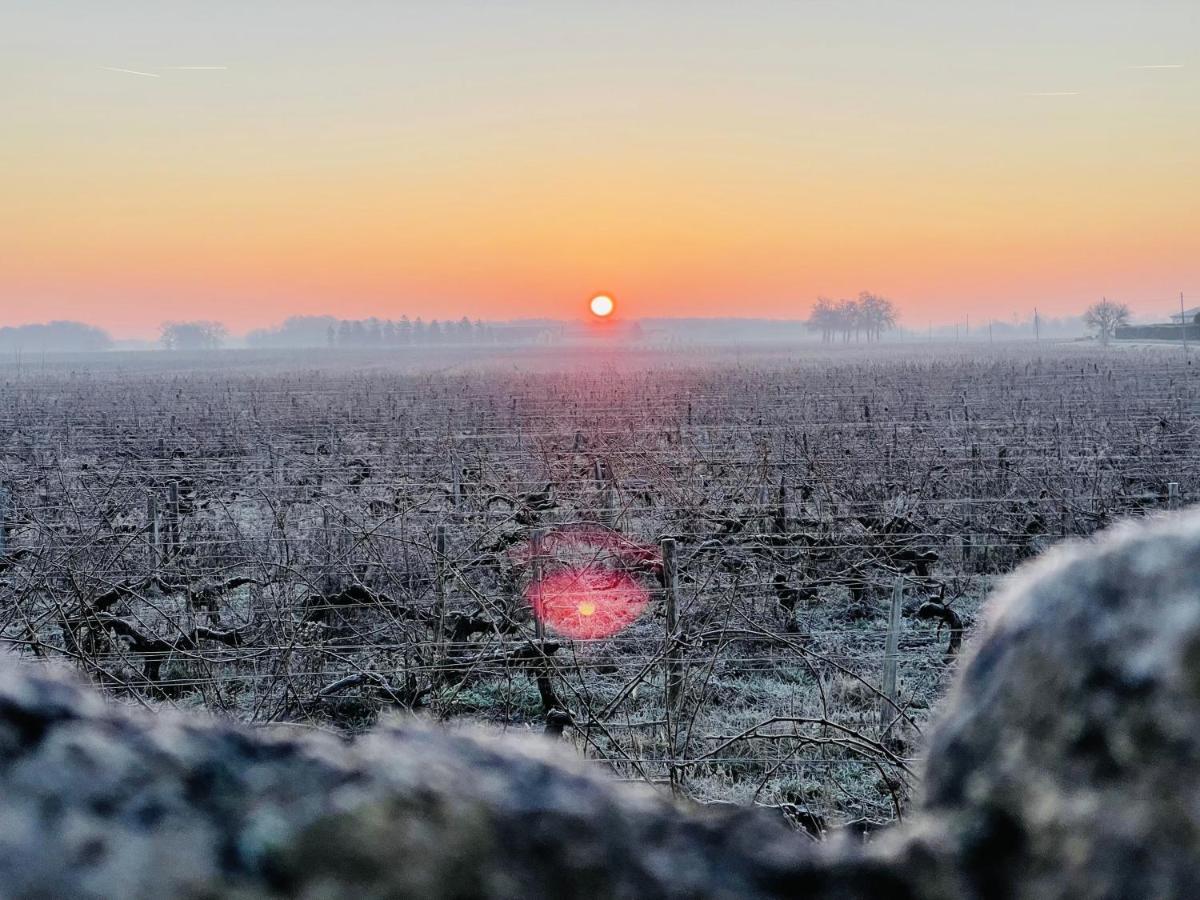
x=602 y=306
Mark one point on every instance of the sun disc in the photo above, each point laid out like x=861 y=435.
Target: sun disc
x=602 y=305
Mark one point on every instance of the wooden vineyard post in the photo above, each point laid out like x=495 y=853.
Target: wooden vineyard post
x=671 y=596
x=327 y=542
x=535 y=577
x=975 y=549
x=610 y=506
x=455 y=480
x=439 y=566
x=152 y=530
x=173 y=519
x=4 y=496
x=672 y=662
x=43 y=503
x=887 y=703
x=1068 y=514
x=1173 y=495
x=545 y=680
x=965 y=538
x=607 y=513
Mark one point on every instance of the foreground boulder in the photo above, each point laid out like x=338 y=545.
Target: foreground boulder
x=1066 y=759
x=1066 y=763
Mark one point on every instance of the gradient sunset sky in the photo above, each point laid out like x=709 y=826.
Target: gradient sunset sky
x=506 y=160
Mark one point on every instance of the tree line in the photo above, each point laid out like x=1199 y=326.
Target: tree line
x=59 y=335
x=330 y=331
x=866 y=317
x=388 y=333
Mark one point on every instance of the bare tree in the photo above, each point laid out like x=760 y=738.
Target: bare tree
x=850 y=320
x=1105 y=317
x=824 y=318
x=878 y=314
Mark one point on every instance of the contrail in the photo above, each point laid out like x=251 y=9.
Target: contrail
x=1160 y=66
x=131 y=72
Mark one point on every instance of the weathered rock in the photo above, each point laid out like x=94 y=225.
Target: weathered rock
x=100 y=801
x=1066 y=760
x=1066 y=763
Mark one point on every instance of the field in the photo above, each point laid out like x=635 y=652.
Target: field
x=324 y=541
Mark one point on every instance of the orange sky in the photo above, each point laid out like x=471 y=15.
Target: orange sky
x=501 y=163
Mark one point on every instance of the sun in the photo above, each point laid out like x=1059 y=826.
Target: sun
x=602 y=306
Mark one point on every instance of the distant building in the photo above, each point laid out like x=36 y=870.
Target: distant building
x=1169 y=331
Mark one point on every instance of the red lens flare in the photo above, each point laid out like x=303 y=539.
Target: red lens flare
x=587 y=603
x=589 y=590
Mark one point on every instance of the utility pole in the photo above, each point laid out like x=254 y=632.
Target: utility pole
x=1182 y=323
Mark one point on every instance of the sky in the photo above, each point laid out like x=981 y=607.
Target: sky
x=508 y=160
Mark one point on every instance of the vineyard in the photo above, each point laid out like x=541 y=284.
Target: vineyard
x=753 y=571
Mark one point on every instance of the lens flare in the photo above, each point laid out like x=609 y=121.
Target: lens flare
x=591 y=588
x=587 y=603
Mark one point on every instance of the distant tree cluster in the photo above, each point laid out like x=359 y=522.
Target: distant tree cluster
x=868 y=316
x=192 y=335
x=296 y=331
x=60 y=335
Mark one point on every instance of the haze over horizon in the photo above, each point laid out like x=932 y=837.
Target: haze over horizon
x=249 y=162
